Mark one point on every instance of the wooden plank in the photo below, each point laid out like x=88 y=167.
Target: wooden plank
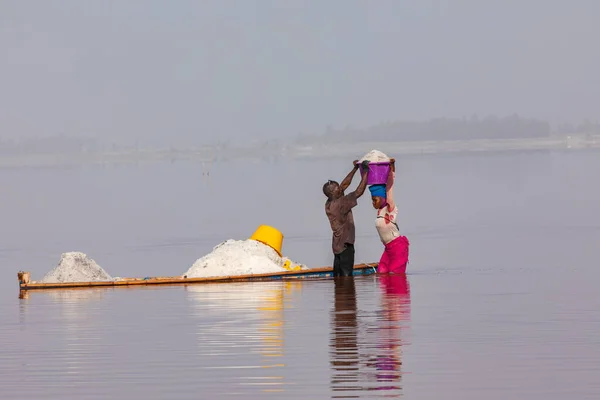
x=360 y=269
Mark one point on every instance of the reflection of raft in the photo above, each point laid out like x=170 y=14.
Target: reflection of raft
x=325 y=272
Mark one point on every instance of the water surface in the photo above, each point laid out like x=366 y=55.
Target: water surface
x=500 y=301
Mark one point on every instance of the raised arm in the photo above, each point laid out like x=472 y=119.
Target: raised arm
x=389 y=188
x=348 y=179
x=363 y=184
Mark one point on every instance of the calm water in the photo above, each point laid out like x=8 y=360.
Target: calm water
x=501 y=300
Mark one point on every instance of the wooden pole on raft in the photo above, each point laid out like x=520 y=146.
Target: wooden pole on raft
x=360 y=269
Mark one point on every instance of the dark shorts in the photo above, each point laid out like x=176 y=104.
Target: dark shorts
x=343 y=263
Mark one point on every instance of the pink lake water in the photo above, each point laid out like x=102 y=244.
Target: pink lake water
x=501 y=298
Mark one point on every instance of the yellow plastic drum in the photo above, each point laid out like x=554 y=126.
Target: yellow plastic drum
x=269 y=236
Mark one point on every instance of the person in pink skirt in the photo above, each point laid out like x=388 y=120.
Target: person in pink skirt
x=395 y=254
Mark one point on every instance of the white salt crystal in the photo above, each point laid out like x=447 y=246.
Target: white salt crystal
x=239 y=257
x=375 y=156
x=76 y=267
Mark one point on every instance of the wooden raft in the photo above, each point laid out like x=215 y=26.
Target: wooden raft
x=360 y=269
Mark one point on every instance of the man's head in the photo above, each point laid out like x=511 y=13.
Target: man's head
x=378 y=196
x=332 y=190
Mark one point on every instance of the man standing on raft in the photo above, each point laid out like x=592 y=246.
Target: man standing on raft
x=338 y=208
x=395 y=254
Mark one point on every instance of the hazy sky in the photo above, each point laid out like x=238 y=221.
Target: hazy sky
x=196 y=71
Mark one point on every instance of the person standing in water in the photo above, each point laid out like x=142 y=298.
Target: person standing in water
x=338 y=209
x=395 y=254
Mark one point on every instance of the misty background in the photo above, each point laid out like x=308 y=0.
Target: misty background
x=183 y=73
x=504 y=244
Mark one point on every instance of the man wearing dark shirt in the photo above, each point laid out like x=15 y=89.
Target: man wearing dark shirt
x=339 y=211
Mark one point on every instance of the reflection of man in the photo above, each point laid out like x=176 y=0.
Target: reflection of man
x=344 y=345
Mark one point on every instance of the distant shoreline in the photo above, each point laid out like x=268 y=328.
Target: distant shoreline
x=302 y=152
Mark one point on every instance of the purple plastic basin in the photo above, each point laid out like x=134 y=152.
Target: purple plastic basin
x=378 y=173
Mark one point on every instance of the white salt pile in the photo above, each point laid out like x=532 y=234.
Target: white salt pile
x=76 y=267
x=239 y=257
x=375 y=156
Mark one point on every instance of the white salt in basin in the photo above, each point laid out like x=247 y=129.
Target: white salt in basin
x=375 y=156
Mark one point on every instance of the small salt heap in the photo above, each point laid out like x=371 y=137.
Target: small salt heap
x=76 y=267
x=375 y=156
x=240 y=257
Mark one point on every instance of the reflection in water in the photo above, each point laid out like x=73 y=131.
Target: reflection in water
x=395 y=309
x=257 y=309
x=355 y=368
x=72 y=329
x=344 y=344
x=73 y=302
x=75 y=298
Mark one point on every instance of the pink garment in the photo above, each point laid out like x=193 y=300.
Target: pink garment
x=395 y=310
x=394 y=257
x=395 y=287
